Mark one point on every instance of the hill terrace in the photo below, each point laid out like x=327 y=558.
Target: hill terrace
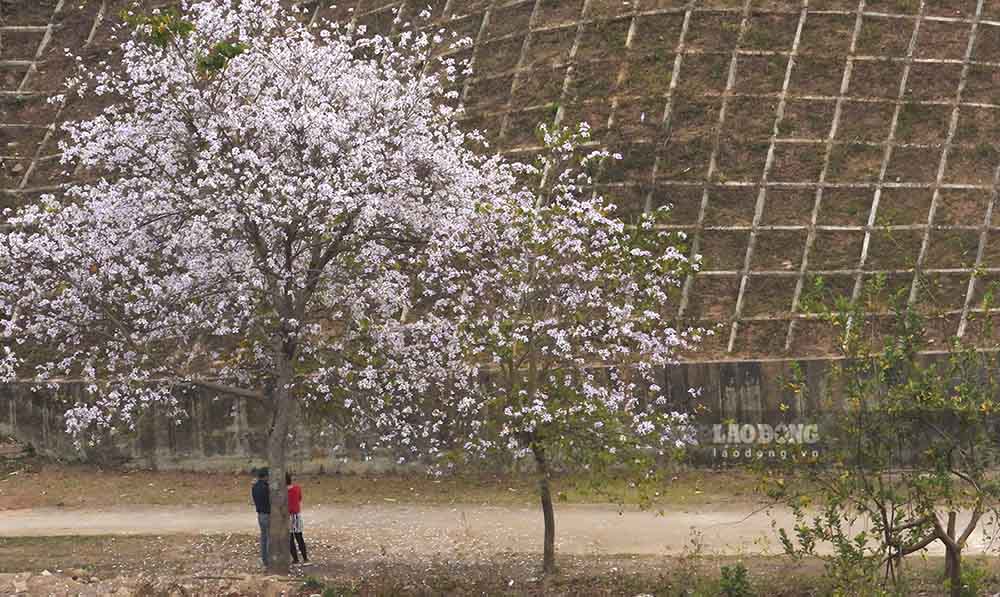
x=839 y=140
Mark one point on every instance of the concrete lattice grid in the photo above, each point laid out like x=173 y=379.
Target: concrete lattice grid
x=795 y=139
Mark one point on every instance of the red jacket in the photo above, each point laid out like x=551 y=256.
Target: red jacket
x=294 y=499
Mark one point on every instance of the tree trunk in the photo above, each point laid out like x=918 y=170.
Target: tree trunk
x=277 y=444
x=953 y=559
x=549 y=557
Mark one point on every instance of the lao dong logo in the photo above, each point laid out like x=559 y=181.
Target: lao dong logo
x=759 y=441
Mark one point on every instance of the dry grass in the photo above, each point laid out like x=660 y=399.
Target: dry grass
x=216 y=565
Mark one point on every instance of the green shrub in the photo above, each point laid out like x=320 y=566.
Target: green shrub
x=339 y=592
x=735 y=581
x=973 y=578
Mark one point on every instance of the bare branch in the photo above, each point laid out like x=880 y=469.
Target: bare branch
x=219 y=387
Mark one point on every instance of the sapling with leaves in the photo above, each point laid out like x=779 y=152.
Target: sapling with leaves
x=254 y=203
x=910 y=455
x=561 y=313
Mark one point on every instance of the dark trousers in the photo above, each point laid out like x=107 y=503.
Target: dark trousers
x=264 y=520
x=297 y=537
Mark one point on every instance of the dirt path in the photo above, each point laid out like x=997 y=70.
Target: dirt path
x=429 y=530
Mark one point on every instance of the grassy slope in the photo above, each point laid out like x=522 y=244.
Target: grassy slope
x=32 y=485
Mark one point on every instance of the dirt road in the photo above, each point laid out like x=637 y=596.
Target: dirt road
x=426 y=529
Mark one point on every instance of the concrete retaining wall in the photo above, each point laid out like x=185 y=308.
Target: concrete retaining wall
x=228 y=433
x=221 y=432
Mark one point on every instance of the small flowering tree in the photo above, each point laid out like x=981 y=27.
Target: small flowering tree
x=558 y=310
x=258 y=198
x=910 y=456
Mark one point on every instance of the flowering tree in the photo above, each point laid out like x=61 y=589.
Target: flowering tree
x=558 y=310
x=258 y=198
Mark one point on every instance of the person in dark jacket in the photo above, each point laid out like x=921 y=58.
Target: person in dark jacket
x=261 y=493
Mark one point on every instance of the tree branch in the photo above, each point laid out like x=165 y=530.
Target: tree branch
x=942 y=534
x=977 y=513
x=220 y=387
x=907 y=550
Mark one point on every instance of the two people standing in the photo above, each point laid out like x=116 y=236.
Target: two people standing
x=261 y=494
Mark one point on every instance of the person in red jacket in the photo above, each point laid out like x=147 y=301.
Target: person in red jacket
x=295 y=524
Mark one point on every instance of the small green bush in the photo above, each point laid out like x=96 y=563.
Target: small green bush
x=735 y=581
x=973 y=578
x=339 y=592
